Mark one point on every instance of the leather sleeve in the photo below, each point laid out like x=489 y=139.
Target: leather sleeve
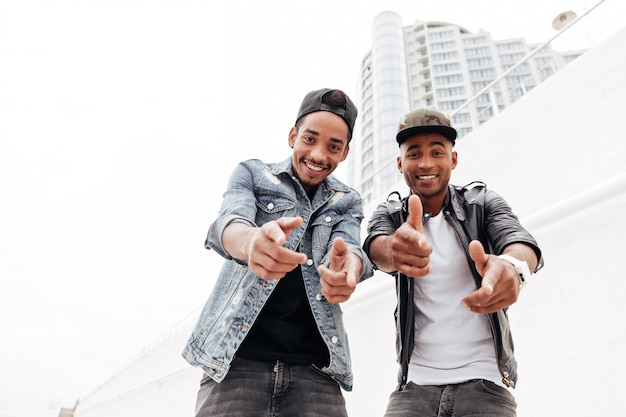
x=504 y=228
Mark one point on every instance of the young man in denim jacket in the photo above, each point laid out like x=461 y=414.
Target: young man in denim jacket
x=270 y=338
x=460 y=257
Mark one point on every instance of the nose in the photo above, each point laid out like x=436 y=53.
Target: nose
x=317 y=153
x=425 y=162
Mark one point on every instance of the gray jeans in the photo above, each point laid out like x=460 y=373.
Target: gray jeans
x=270 y=389
x=476 y=398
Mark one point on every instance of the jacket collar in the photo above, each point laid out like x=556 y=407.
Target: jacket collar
x=453 y=202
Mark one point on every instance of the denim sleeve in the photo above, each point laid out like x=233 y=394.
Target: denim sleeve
x=238 y=205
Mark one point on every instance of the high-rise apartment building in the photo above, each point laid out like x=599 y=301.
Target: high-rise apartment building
x=434 y=64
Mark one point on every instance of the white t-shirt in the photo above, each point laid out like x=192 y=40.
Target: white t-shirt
x=452 y=344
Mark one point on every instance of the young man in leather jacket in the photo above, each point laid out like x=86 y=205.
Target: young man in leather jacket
x=460 y=257
x=270 y=339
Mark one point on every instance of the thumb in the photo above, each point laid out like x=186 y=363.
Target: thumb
x=478 y=255
x=480 y=258
x=415 y=213
x=287 y=224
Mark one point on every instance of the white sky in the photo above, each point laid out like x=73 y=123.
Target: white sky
x=120 y=122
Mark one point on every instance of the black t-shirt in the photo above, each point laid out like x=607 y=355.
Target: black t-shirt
x=285 y=329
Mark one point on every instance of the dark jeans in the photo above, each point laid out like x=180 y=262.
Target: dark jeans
x=476 y=398
x=264 y=389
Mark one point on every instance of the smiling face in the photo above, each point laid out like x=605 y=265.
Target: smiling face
x=320 y=143
x=426 y=161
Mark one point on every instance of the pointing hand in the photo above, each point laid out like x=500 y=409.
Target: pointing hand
x=410 y=250
x=500 y=283
x=267 y=257
x=339 y=279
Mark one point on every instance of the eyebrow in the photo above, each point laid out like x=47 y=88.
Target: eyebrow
x=313 y=132
x=316 y=133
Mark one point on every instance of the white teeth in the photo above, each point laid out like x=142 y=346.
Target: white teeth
x=314 y=167
x=426 y=177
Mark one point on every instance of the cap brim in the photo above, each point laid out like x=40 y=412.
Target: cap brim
x=448 y=132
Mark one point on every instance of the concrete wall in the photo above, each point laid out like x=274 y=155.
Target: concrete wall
x=558 y=156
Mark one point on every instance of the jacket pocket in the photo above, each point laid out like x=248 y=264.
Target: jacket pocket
x=322 y=227
x=272 y=205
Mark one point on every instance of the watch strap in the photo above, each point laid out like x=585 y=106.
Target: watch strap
x=523 y=271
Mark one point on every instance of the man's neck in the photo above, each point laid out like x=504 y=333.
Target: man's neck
x=433 y=205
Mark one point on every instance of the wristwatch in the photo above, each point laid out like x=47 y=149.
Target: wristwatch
x=521 y=267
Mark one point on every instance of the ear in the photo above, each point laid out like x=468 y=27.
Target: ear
x=399 y=164
x=293 y=134
x=454 y=159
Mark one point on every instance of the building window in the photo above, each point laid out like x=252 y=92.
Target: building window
x=483 y=51
x=543 y=61
x=487 y=73
x=480 y=62
x=452 y=91
x=439 y=68
x=479 y=85
x=445 y=56
x=484 y=112
x=485 y=99
x=461 y=118
x=438 y=46
x=517 y=80
x=510 y=46
x=523 y=69
x=368 y=155
x=478 y=40
x=545 y=73
x=512 y=58
x=450 y=105
x=449 y=79
x=367 y=170
x=448 y=34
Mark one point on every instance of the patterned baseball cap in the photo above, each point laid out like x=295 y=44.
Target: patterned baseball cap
x=423 y=121
x=318 y=100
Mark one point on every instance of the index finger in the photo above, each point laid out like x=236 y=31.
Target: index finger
x=481 y=296
x=280 y=230
x=339 y=247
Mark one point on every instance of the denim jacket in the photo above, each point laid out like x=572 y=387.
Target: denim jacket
x=258 y=193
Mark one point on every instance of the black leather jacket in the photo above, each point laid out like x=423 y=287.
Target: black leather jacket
x=474 y=213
